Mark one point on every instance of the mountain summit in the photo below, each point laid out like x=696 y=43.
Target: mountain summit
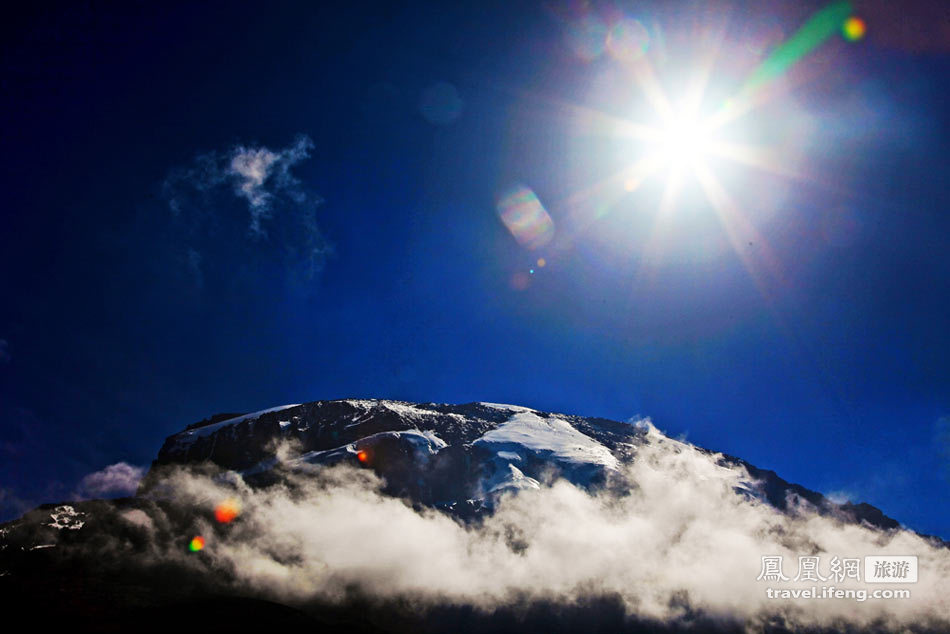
x=388 y=516
x=454 y=457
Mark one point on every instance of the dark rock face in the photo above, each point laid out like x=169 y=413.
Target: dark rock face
x=318 y=426
x=215 y=418
x=781 y=493
x=324 y=425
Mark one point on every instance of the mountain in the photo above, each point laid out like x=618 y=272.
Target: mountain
x=450 y=456
x=335 y=513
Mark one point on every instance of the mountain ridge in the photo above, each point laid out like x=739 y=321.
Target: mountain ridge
x=453 y=494
x=224 y=439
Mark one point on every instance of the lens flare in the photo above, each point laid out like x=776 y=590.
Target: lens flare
x=813 y=33
x=525 y=217
x=362 y=456
x=628 y=40
x=227 y=510
x=587 y=37
x=818 y=29
x=197 y=543
x=853 y=29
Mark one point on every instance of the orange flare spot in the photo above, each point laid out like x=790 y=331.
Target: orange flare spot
x=228 y=510
x=196 y=544
x=362 y=456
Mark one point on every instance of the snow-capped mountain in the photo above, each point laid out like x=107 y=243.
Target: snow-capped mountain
x=455 y=457
x=387 y=516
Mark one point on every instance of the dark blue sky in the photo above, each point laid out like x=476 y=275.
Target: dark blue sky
x=382 y=268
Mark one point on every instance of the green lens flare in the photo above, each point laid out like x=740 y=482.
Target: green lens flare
x=821 y=26
x=834 y=18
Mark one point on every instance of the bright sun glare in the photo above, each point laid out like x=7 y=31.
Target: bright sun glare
x=684 y=141
x=687 y=140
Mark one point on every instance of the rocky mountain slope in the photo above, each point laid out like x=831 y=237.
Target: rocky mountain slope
x=454 y=457
x=322 y=481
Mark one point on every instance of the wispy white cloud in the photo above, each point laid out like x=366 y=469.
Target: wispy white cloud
x=259 y=174
x=281 y=211
x=252 y=167
x=119 y=479
x=841 y=496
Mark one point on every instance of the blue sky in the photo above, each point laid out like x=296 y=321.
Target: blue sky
x=226 y=208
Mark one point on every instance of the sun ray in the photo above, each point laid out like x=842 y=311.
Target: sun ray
x=591 y=120
x=749 y=244
x=593 y=202
x=760 y=158
x=653 y=250
x=699 y=82
x=643 y=74
x=773 y=162
x=769 y=278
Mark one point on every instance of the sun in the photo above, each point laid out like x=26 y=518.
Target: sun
x=684 y=141
x=684 y=129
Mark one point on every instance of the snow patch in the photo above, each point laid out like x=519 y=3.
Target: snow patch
x=406 y=410
x=551 y=435
x=66 y=517
x=515 y=480
x=425 y=443
x=190 y=435
x=506 y=408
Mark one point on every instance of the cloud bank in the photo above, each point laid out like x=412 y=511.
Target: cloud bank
x=685 y=535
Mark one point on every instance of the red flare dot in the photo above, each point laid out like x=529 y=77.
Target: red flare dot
x=362 y=456
x=226 y=511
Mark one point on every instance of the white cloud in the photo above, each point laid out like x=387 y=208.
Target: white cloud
x=138 y=517
x=252 y=167
x=281 y=211
x=259 y=174
x=685 y=530
x=119 y=479
x=841 y=496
